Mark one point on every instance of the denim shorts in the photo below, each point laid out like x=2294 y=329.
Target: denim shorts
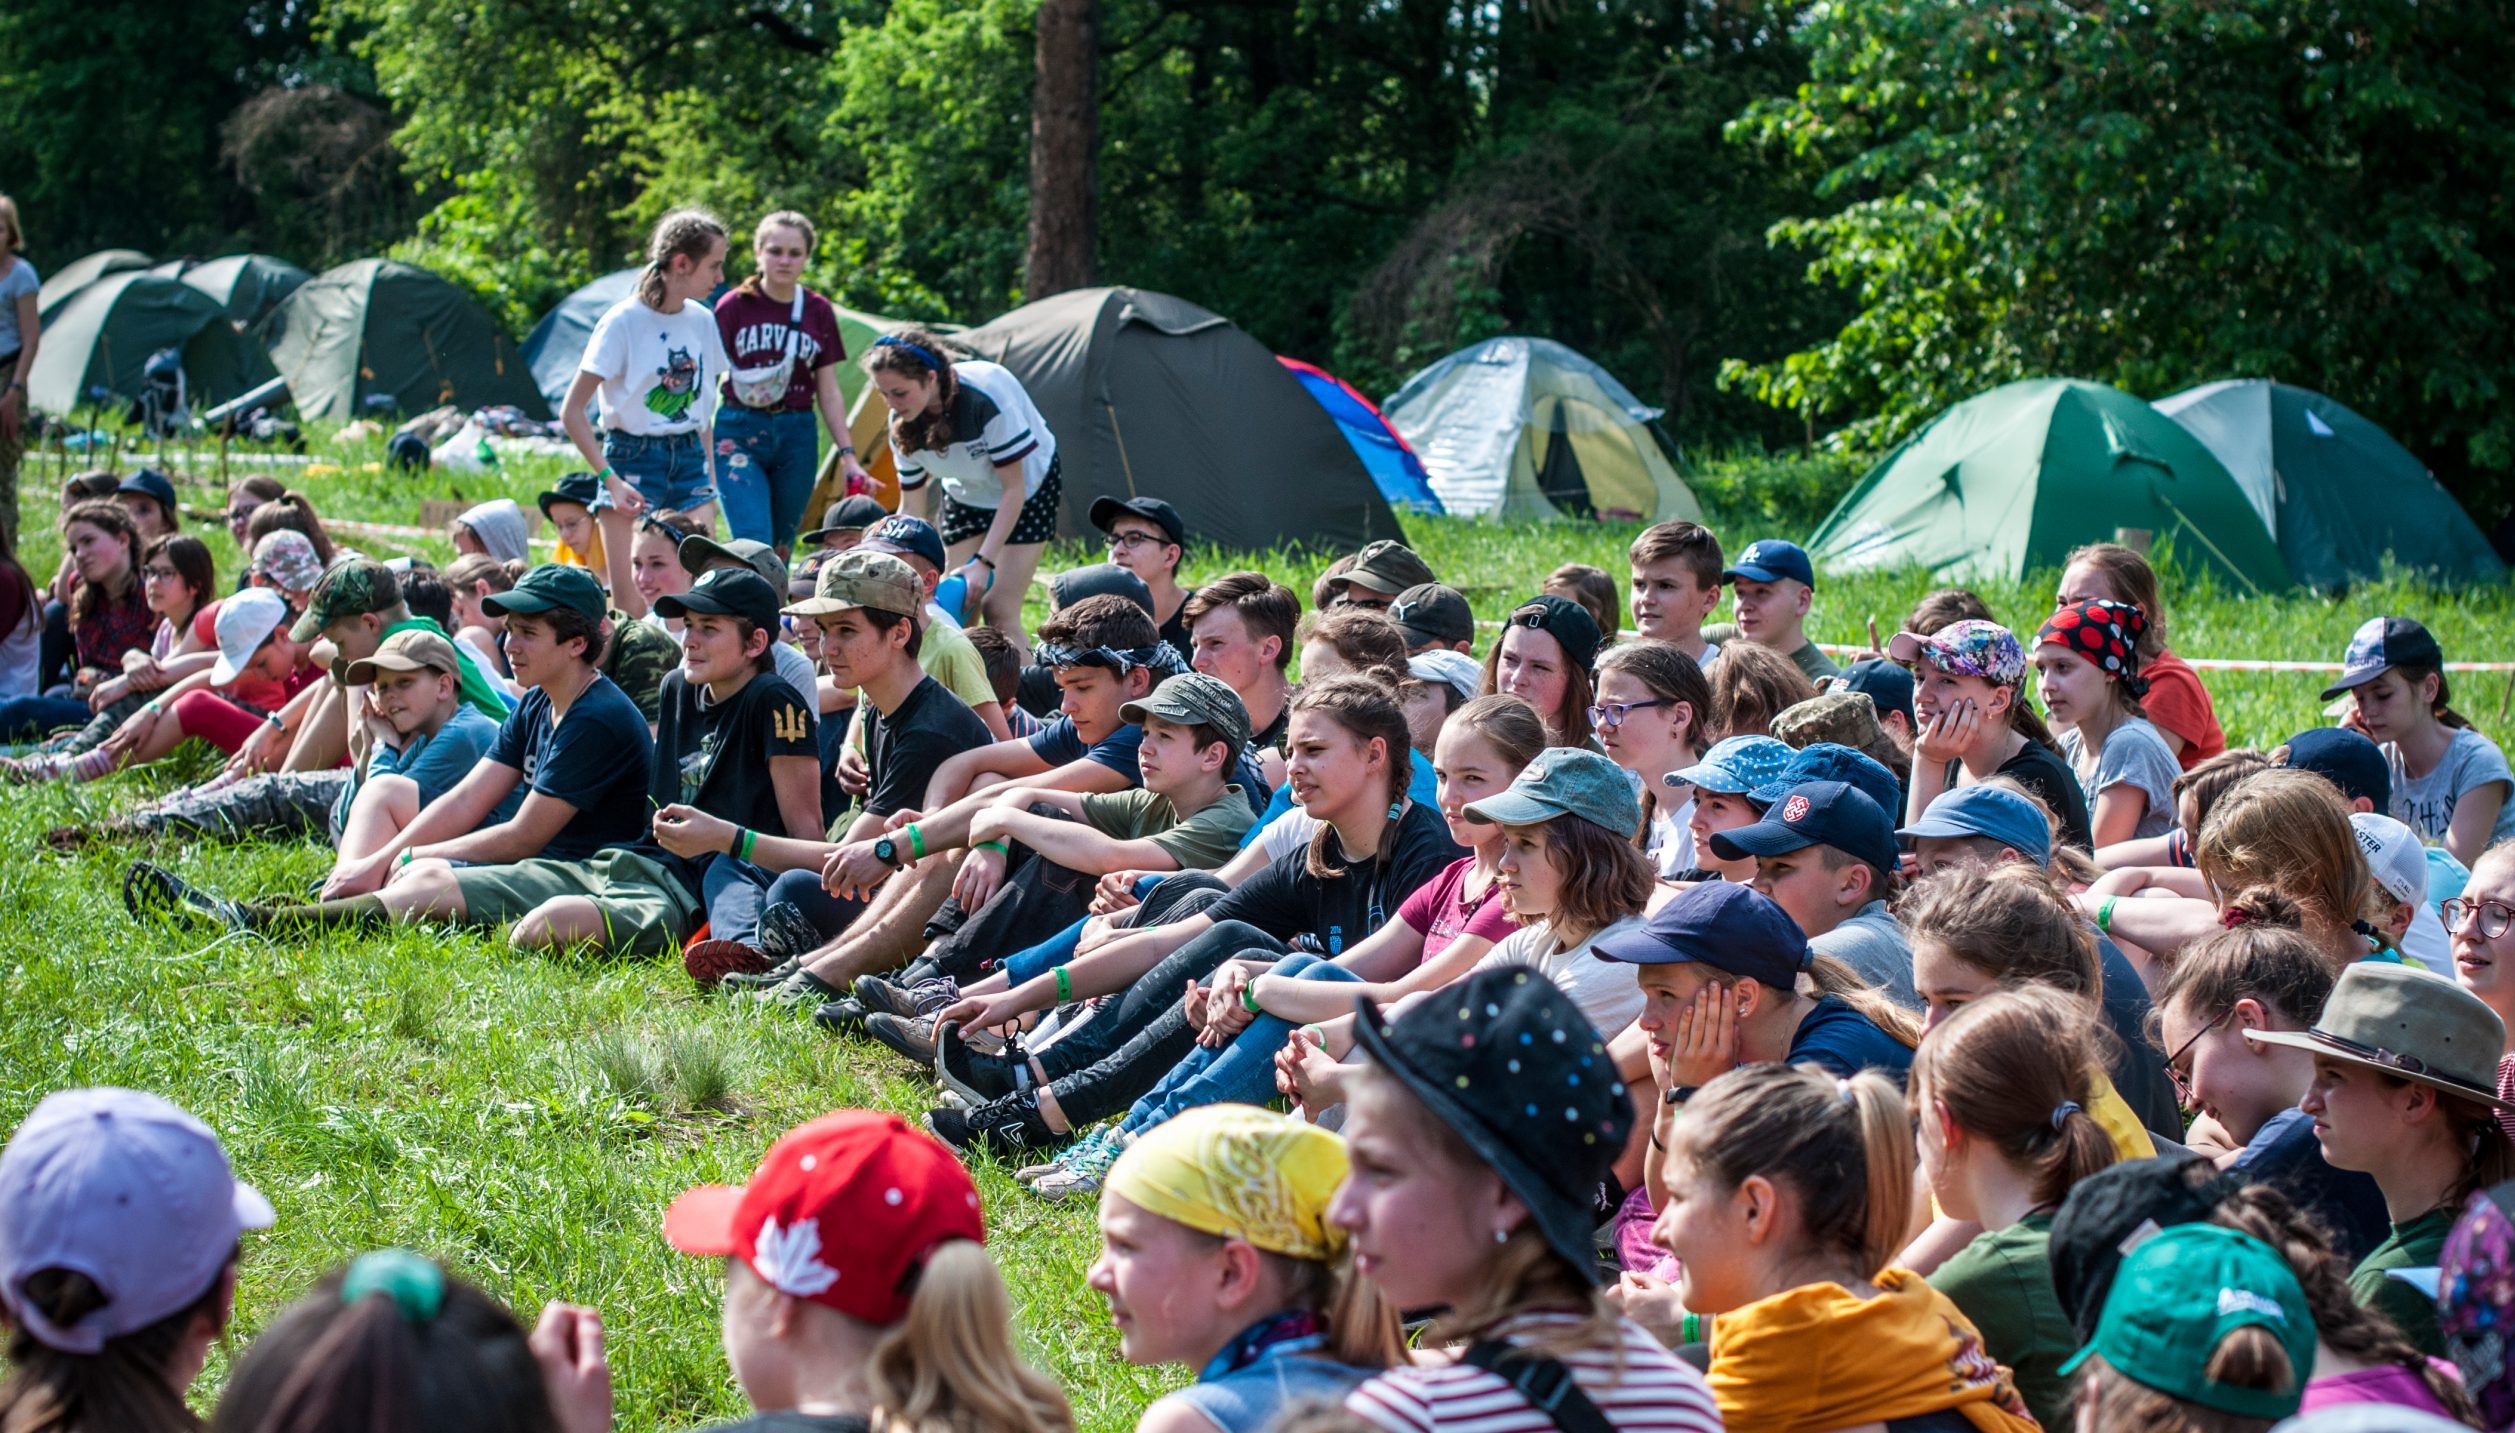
x=669 y=470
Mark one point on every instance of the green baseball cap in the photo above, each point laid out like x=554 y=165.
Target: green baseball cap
x=548 y=586
x=699 y=552
x=860 y=578
x=2176 y=1297
x=1193 y=697
x=351 y=587
x=1388 y=567
x=1565 y=781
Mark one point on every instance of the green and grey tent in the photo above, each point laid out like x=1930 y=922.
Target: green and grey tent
x=2337 y=493
x=2011 y=480
x=1151 y=396
x=80 y=272
x=102 y=336
x=377 y=328
x=248 y=285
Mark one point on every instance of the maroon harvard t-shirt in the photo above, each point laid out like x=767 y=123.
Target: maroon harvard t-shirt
x=755 y=329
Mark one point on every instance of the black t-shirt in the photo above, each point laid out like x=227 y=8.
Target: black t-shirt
x=2139 y=1068
x=1271 y=736
x=903 y=748
x=595 y=760
x=2285 y=1155
x=715 y=755
x=1175 y=630
x=1843 y=1042
x=1038 y=692
x=2039 y=771
x=1286 y=901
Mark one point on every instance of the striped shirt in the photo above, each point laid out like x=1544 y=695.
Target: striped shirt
x=993 y=422
x=1640 y=1387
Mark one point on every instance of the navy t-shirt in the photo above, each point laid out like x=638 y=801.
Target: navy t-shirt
x=596 y=760
x=1843 y=1042
x=2285 y=1155
x=1058 y=743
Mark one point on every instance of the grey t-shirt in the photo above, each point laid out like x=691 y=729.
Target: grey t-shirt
x=1871 y=943
x=2426 y=804
x=2134 y=756
x=20 y=280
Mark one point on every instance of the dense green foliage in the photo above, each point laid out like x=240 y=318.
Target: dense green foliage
x=1782 y=221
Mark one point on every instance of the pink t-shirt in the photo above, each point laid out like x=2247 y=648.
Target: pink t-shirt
x=1441 y=910
x=2390 y=1383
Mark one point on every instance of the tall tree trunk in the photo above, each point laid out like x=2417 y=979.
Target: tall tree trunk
x=1064 y=141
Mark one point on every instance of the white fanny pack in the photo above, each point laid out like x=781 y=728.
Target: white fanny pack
x=765 y=386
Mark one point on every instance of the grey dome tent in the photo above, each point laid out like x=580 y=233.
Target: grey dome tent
x=2337 y=493
x=374 y=327
x=80 y=272
x=103 y=335
x=1522 y=428
x=1151 y=396
x=557 y=343
x=249 y=286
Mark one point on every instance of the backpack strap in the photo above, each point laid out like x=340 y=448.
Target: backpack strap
x=1543 y=1381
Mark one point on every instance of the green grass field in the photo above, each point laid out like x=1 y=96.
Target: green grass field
x=527 y=1119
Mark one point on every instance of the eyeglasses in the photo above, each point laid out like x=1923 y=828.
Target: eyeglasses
x=2490 y=918
x=1122 y=541
x=1612 y=714
x=2174 y=1062
x=152 y=572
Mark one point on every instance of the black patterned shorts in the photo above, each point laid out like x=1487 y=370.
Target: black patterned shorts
x=958 y=522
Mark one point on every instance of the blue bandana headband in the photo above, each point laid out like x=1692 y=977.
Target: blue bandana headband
x=919 y=349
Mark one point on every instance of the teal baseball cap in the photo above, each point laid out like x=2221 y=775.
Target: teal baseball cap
x=549 y=586
x=2178 y=1294
x=1565 y=781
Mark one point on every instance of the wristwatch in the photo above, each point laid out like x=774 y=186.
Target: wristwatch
x=886 y=851
x=1679 y=1094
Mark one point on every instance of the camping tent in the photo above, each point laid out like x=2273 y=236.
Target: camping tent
x=1385 y=455
x=1152 y=396
x=2337 y=493
x=557 y=343
x=248 y=285
x=1526 y=428
x=103 y=336
x=375 y=327
x=2013 y=479
x=80 y=272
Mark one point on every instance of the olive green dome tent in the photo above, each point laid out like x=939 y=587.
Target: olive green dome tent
x=374 y=327
x=102 y=336
x=82 y=271
x=2337 y=493
x=2011 y=480
x=248 y=285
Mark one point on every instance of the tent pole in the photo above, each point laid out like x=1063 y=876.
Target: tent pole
x=1119 y=434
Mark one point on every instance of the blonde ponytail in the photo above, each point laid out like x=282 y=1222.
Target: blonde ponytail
x=950 y=1365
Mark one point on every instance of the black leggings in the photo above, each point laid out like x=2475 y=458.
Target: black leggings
x=1121 y=1051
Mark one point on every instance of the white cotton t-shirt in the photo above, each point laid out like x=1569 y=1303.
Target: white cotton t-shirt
x=1605 y=990
x=2426 y=804
x=1672 y=838
x=993 y=422
x=660 y=371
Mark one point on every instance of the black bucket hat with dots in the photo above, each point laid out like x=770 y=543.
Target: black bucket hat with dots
x=1509 y=1063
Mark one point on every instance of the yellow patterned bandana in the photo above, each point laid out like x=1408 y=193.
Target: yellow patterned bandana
x=1240 y=1172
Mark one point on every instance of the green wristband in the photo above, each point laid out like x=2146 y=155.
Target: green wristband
x=999 y=846
x=1248 y=996
x=748 y=837
x=916 y=841
x=1065 y=985
x=2104 y=915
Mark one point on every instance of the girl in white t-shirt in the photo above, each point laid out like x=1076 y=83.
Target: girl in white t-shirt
x=971 y=426
x=1651 y=707
x=656 y=358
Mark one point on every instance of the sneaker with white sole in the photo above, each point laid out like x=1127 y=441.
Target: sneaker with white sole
x=1085 y=1169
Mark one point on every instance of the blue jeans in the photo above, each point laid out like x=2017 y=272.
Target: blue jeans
x=668 y=470
x=1034 y=961
x=768 y=474
x=33 y=718
x=1240 y=1073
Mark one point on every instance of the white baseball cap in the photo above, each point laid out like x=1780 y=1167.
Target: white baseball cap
x=2394 y=855
x=245 y=621
x=1455 y=670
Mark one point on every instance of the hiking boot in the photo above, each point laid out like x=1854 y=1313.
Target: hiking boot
x=1085 y=1168
x=153 y=892
x=775 y=975
x=924 y=998
x=709 y=961
x=796 y=990
x=1006 y=1126
x=912 y=1036
x=975 y=1077
x=785 y=933
x=840 y=1017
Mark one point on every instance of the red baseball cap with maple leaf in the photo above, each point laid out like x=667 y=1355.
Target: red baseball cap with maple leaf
x=843 y=1211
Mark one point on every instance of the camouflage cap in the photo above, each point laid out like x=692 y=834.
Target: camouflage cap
x=351 y=587
x=1843 y=718
x=859 y=578
x=1193 y=697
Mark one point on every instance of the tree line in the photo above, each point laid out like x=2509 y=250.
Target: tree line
x=1787 y=223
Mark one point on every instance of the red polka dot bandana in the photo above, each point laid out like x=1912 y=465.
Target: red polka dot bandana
x=2104 y=632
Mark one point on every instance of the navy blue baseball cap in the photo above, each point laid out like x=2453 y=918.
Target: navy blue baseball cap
x=1817 y=813
x=2379 y=645
x=1888 y=685
x=1832 y=761
x=2347 y=759
x=1732 y=927
x=152 y=484
x=1990 y=812
x=906 y=536
x=1770 y=559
